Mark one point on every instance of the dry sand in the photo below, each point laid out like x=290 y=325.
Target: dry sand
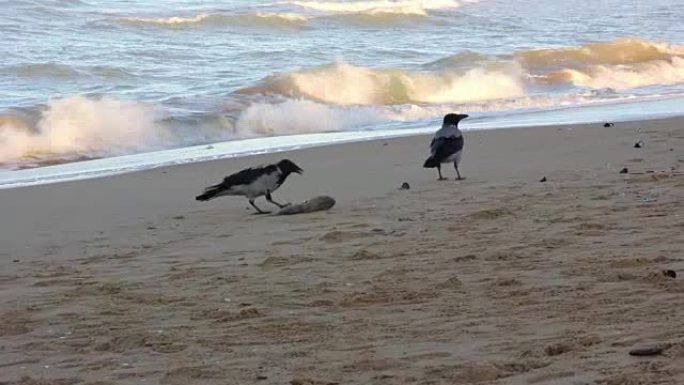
x=498 y=279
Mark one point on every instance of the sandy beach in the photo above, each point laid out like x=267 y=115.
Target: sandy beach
x=496 y=279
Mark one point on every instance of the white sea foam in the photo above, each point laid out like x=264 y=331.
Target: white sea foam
x=299 y=116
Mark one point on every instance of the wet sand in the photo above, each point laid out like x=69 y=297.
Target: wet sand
x=497 y=279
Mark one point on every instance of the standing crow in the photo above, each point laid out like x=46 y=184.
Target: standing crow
x=447 y=145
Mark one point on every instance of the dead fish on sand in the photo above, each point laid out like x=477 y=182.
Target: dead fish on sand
x=320 y=203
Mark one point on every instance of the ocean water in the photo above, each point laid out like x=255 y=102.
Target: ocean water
x=98 y=79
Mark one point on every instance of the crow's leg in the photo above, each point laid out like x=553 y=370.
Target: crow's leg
x=439 y=170
x=457 y=173
x=270 y=199
x=259 y=211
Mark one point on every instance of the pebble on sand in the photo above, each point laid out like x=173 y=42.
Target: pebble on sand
x=608 y=124
x=405 y=186
x=624 y=170
x=543 y=179
x=639 y=144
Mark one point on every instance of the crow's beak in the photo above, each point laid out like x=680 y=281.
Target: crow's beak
x=299 y=171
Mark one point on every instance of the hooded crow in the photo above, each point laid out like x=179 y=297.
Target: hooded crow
x=447 y=145
x=253 y=182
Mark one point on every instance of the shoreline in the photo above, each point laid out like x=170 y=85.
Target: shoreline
x=623 y=111
x=497 y=279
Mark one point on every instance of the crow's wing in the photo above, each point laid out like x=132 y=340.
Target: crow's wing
x=442 y=147
x=244 y=177
x=247 y=175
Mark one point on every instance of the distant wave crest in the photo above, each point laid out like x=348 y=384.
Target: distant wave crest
x=64 y=71
x=259 y=18
x=378 y=6
x=370 y=11
x=172 y=20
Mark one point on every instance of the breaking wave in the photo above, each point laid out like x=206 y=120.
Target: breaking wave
x=619 y=51
x=342 y=96
x=79 y=126
x=346 y=84
x=621 y=64
x=470 y=77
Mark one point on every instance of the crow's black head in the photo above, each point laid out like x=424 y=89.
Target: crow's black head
x=287 y=166
x=453 y=119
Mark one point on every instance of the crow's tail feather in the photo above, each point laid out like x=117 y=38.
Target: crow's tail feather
x=210 y=192
x=431 y=162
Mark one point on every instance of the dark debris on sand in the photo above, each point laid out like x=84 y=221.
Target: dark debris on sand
x=670 y=273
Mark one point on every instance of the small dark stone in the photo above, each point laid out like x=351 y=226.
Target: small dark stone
x=262 y=377
x=15 y=260
x=384 y=144
x=405 y=186
x=245 y=304
x=670 y=273
x=647 y=351
x=624 y=171
x=608 y=124
x=179 y=217
x=639 y=144
x=542 y=179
